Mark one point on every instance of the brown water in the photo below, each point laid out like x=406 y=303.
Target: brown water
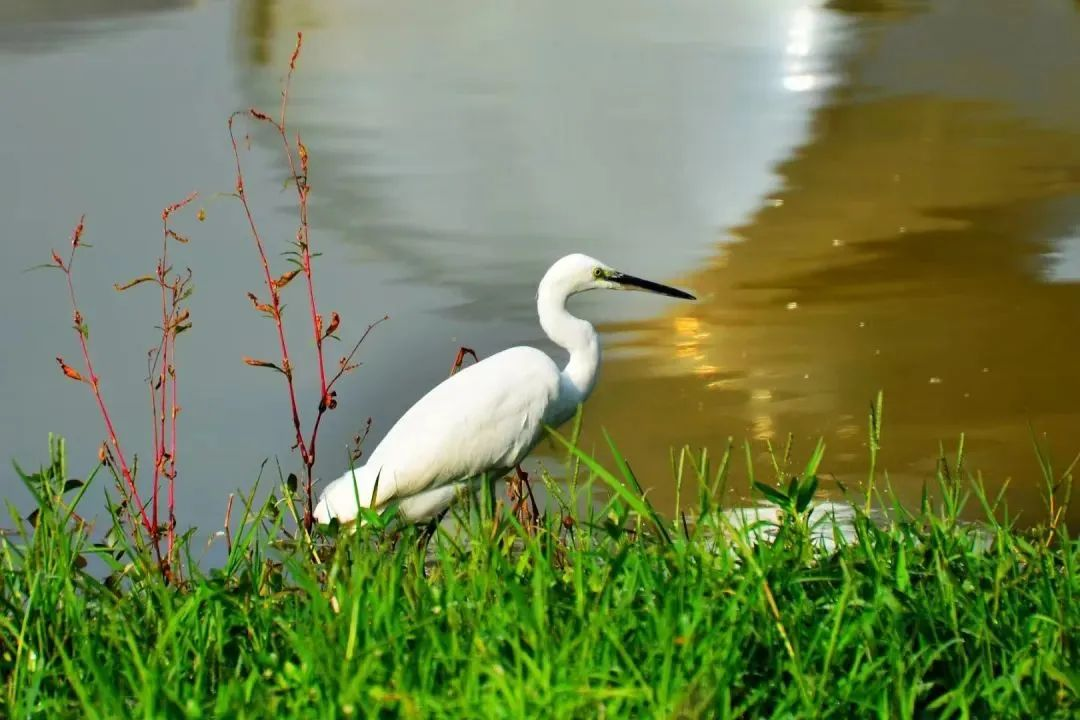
x=865 y=196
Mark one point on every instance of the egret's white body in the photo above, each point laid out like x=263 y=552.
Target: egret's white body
x=489 y=416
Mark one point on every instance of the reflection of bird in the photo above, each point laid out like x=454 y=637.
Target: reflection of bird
x=486 y=418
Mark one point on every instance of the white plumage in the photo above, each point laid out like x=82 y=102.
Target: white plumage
x=489 y=416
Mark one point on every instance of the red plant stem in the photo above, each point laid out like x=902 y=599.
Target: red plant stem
x=303 y=237
x=158 y=439
x=274 y=297
x=303 y=242
x=160 y=364
x=345 y=362
x=157 y=457
x=95 y=387
x=315 y=324
x=345 y=366
x=307 y=451
x=300 y=181
x=165 y=462
x=288 y=78
x=172 y=464
x=151 y=370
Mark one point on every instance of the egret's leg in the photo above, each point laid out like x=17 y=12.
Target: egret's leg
x=522 y=501
x=460 y=359
x=428 y=530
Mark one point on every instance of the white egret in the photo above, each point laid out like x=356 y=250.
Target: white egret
x=487 y=417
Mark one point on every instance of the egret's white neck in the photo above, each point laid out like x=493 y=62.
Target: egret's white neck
x=577 y=336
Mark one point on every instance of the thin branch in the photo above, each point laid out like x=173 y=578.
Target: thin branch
x=296 y=157
x=92 y=378
x=274 y=296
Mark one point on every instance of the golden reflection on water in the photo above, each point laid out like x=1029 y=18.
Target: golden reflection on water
x=906 y=252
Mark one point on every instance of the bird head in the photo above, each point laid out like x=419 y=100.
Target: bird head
x=578 y=273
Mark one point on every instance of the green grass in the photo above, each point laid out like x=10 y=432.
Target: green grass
x=610 y=612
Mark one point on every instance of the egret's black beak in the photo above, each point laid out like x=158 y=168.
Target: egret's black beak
x=636 y=283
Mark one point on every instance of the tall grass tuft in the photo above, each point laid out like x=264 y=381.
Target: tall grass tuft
x=608 y=609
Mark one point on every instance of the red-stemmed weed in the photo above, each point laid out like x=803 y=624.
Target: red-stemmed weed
x=145 y=523
x=299 y=257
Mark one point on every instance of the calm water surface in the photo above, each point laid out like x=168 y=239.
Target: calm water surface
x=864 y=195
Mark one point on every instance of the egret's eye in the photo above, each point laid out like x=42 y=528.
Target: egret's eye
x=598 y=273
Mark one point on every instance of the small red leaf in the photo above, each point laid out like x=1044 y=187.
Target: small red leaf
x=261 y=307
x=302 y=150
x=335 y=321
x=68 y=370
x=76 y=235
x=296 y=52
x=262 y=363
x=132 y=283
x=176 y=206
x=285 y=279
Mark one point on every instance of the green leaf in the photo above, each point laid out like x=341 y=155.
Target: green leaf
x=631 y=499
x=814 y=462
x=624 y=468
x=772 y=494
x=369 y=517
x=903 y=580
x=623 y=465
x=806 y=491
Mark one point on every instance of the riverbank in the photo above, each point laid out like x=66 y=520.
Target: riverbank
x=613 y=612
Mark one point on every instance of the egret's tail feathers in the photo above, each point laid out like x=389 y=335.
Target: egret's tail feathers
x=343 y=498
